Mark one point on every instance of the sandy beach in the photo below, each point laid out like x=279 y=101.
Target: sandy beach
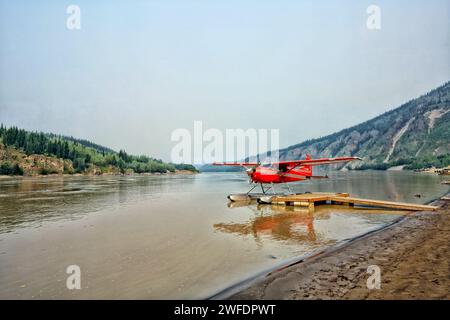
x=413 y=255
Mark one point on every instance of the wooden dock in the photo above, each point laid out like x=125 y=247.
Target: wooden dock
x=310 y=200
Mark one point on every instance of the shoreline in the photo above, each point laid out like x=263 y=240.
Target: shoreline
x=340 y=272
x=53 y=175
x=241 y=286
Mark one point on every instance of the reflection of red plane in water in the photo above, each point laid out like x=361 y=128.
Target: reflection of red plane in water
x=277 y=222
x=293 y=226
x=284 y=171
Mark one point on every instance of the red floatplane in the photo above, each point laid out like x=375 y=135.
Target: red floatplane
x=283 y=171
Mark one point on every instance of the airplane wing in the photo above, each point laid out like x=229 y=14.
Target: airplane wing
x=316 y=162
x=303 y=162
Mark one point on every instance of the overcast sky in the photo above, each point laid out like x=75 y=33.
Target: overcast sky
x=137 y=70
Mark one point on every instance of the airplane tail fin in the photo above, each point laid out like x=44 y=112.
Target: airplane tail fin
x=306 y=167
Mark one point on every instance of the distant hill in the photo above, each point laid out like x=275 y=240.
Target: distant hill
x=211 y=168
x=416 y=134
x=30 y=153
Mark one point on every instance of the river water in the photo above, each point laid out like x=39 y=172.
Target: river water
x=175 y=236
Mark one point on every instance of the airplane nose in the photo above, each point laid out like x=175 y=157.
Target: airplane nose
x=250 y=171
x=250 y=174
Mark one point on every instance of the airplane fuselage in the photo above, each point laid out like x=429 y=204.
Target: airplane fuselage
x=271 y=174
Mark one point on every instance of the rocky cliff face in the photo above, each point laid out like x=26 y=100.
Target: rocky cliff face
x=34 y=164
x=419 y=128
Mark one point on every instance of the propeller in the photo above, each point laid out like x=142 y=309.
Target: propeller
x=250 y=172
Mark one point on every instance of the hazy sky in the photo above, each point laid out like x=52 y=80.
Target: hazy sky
x=137 y=70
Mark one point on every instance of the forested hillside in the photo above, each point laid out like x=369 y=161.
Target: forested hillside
x=24 y=152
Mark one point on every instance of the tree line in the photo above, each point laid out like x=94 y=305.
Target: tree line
x=82 y=153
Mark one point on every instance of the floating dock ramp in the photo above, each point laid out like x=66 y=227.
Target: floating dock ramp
x=310 y=200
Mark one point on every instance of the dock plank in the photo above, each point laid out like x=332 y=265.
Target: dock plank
x=385 y=204
x=309 y=199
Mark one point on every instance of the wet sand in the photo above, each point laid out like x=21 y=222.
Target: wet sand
x=413 y=255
